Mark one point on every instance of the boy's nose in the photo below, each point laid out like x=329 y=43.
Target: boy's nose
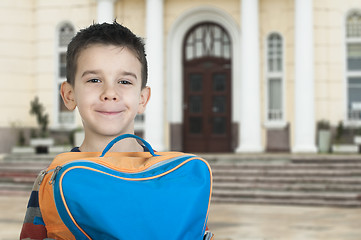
x=109 y=95
x=106 y=98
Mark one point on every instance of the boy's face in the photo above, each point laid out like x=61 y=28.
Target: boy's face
x=107 y=90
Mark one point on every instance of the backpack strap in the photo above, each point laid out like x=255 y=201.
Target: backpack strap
x=121 y=137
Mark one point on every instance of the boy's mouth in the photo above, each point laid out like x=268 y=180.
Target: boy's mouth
x=109 y=113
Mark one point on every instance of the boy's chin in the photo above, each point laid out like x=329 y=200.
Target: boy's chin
x=114 y=134
x=102 y=131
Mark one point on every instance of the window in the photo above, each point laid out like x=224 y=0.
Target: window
x=207 y=40
x=274 y=77
x=65 y=32
x=353 y=55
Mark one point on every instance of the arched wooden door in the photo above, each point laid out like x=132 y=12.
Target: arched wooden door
x=207 y=89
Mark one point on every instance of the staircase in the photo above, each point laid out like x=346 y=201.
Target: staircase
x=292 y=180
x=316 y=180
x=18 y=172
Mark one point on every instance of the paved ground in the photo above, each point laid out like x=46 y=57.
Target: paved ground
x=239 y=222
x=264 y=222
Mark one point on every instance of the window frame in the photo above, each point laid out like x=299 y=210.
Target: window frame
x=274 y=123
x=192 y=42
x=58 y=80
x=349 y=73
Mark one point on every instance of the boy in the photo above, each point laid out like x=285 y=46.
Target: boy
x=106 y=81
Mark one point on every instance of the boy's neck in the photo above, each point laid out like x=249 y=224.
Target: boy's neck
x=97 y=144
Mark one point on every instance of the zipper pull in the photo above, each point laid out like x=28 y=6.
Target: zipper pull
x=56 y=171
x=42 y=175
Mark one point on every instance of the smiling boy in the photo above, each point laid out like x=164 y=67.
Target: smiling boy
x=106 y=82
x=108 y=93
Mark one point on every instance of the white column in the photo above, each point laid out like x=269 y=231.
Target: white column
x=105 y=11
x=154 y=115
x=304 y=127
x=250 y=125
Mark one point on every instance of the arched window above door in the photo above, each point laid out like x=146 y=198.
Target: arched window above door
x=207 y=40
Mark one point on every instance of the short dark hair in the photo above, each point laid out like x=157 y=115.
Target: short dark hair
x=107 y=34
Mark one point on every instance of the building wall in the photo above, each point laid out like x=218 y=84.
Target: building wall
x=49 y=15
x=175 y=8
x=330 y=65
x=28 y=58
x=16 y=67
x=277 y=16
x=132 y=14
x=16 y=61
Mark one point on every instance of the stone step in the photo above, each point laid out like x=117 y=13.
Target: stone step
x=288 y=179
x=290 y=166
x=321 y=181
x=287 y=172
x=21 y=168
x=293 y=194
x=281 y=158
x=19 y=157
x=311 y=187
x=18 y=179
x=19 y=173
x=330 y=182
x=15 y=189
x=298 y=202
x=285 y=195
x=327 y=159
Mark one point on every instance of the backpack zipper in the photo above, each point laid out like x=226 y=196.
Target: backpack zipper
x=43 y=173
x=58 y=168
x=56 y=171
x=41 y=176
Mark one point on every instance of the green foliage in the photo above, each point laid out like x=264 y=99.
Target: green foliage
x=339 y=131
x=21 y=138
x=37 y=109
x=323 y=125
x=358 y=131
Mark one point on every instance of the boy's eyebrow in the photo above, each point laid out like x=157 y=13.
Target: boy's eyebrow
x=123 y=73
x=89 y=72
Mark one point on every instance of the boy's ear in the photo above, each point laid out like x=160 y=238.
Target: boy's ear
x=67 y=94
x=144 y=98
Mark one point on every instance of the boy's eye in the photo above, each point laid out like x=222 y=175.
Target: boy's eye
x=124 y=82
x=94 y=80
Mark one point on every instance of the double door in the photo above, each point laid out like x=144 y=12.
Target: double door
x=207 y=106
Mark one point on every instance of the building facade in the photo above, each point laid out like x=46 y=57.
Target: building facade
x=226 y=76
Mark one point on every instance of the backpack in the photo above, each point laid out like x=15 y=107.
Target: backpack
x=134 y=195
